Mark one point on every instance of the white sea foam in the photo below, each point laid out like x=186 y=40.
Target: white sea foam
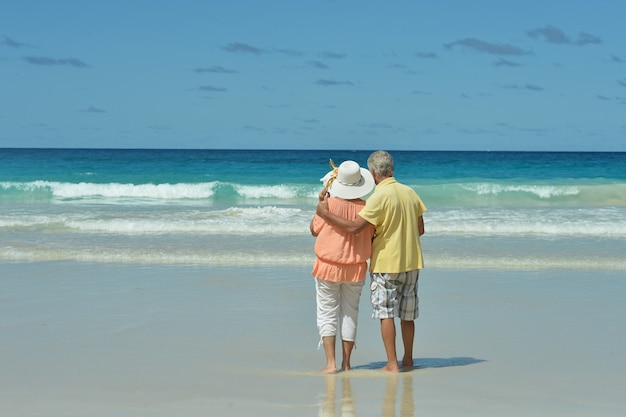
x=539 y=262
x=225 y=193
x=289 y=221
x=272 y=258
x=140 y=256
x=497 y=221
x=141 y=194
x=152 y=191
x=275 y=191
x=235 y=220
x=64 y=190
x=541 y=191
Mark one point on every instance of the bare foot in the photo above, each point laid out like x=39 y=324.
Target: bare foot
x=390 y=367
x=329 y=370
x=407 y=365
x=345 y=367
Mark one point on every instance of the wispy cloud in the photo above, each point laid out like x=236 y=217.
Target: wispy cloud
x=506 y=63
x=474 y=131
x=427 y=55
x=212 y=89
x=216 y=69
x=622 y=100
x=47 y=61
x=530 y=87
x=380 y=125
x=586 y=38
x=289 y=52
x=488 y=47
x=92 y=109
x=333 y=55
x=12 y=43
x=331 y=83
x=243 y=48
x=254 y=128
x=615 y=58
x=552 y=34
x=396 y=66
x=317 y=64
x=622 y=82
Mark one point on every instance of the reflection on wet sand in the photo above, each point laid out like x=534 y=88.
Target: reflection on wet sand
x=328 y=406
x=344 y=405
x=406 y=402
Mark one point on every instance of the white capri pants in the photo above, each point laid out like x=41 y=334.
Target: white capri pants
x=338 y=306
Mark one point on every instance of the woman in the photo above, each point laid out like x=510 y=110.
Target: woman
x=341 y=261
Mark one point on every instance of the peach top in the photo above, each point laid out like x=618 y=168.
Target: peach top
x=341 y=256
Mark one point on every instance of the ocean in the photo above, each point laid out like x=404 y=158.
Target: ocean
x=487 y=210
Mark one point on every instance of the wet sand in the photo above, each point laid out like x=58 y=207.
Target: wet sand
x=85 y=339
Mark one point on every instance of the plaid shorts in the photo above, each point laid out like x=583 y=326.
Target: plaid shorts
x=395 y=295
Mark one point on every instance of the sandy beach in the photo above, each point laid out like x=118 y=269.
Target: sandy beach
x=92 y=339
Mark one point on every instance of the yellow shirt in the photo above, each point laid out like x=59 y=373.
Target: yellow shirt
x=394 y=210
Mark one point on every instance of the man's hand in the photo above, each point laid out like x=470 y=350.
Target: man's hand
x=322 y=206
x=323 y=194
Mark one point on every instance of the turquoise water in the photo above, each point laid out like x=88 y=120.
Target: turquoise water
x=231 y=207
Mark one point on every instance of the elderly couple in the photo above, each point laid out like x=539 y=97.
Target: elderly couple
x=385 y=229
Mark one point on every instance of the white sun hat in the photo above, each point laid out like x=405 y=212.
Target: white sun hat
x=348 y=181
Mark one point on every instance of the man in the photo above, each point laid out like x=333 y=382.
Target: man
x=395 y=210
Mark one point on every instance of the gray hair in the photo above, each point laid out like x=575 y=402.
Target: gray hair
x=381 y=162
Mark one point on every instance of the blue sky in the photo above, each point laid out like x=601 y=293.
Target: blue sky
x=414 y=75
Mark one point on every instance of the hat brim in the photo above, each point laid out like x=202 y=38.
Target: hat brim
x=349 y=192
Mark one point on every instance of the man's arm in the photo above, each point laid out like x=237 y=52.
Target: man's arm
x=420 y=225
x=350 y=226
x=313 y=232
